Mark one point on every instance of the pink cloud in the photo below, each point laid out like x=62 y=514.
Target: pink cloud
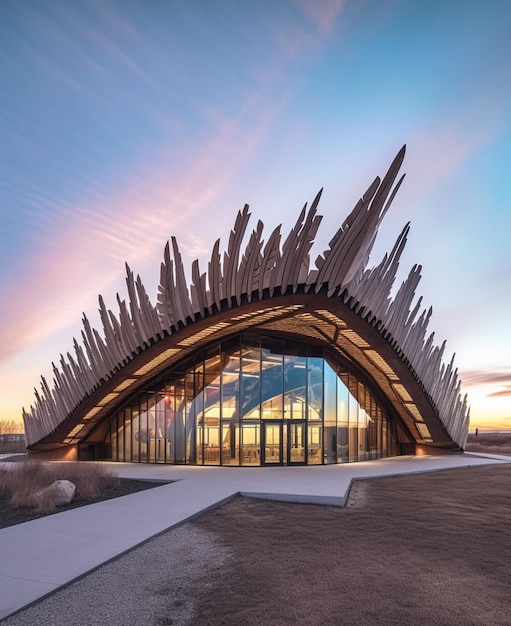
x=498 y=380
x=503 y=393
x=485 y=377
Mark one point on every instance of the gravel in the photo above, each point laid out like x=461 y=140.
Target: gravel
x=155 y=584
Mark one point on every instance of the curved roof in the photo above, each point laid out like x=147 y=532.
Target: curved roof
x=269 y=286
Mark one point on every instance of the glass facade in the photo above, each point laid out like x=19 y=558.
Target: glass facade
x=254 y=401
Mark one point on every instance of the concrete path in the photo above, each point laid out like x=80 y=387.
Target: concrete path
x=38 y=557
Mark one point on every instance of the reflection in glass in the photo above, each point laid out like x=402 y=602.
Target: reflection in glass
x=136 y=435
x=127 y=433
x=342 y=417
x=315 y=387
x=295 y=385
x=272 y=385
x=314 y=444
x=254 y=401
x=250 y=388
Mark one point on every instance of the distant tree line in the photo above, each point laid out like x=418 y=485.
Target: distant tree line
x=12 y=438
x=10 y=427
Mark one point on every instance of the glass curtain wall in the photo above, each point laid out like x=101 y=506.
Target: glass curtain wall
x=254 y=401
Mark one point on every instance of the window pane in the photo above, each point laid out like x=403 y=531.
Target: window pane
x=212 y=374
x=353 y=418
x=330 y=395
x=314 y=444
x=315 y=387
x=372 y=433
x=211 y=445
x=194 y=414
x=342 y=417
x=330 y=444
x=114 y=431
x=251 y=444
x=179 y=420
x=190 y=416
x=170 y=403
x=135 y=435
x=330 y=414
x=127 y=435
x=295 y=386
x=230 y=385
x=362 y=423
x=272 y=381
x=160 y=426
x=230 y=444
x=251 y=382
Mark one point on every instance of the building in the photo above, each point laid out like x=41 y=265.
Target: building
x=262 y=359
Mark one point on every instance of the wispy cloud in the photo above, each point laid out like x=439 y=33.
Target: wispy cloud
x=119 y=55
x=79 y=245
x=324 y=13
x=81 y=253
x=497 y=383
x=503 y=393
x=486 y=377
x=87 y=52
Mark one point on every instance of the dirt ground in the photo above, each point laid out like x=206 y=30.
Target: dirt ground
x=429 y=549
x=422 y=549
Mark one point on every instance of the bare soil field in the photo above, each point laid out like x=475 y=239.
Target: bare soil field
x=426 y=549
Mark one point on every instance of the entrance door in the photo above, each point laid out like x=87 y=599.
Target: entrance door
x=283 y=443
x=296 y=443
x=272 y=443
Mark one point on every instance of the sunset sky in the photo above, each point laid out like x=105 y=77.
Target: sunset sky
x=124 y=123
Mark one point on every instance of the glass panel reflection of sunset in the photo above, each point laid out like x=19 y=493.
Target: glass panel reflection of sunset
x=254 y=401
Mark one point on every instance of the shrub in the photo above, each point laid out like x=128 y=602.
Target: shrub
x=90 y=479
x=21 y=481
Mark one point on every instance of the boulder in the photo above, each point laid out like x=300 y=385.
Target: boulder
x=59 y=492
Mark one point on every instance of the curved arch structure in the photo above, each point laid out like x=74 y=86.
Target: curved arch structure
x=267 y=287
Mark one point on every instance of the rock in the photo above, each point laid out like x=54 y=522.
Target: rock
x=60 y=492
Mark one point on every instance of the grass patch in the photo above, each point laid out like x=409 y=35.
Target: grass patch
x=94 y=483
x=21 y=482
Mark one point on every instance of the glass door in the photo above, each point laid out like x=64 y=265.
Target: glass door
x=296 y=443
x=284 y=442
x=272 y=443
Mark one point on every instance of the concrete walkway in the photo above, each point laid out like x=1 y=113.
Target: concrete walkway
x=38 y=557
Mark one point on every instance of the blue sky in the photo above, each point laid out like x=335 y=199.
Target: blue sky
x=124 y=123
